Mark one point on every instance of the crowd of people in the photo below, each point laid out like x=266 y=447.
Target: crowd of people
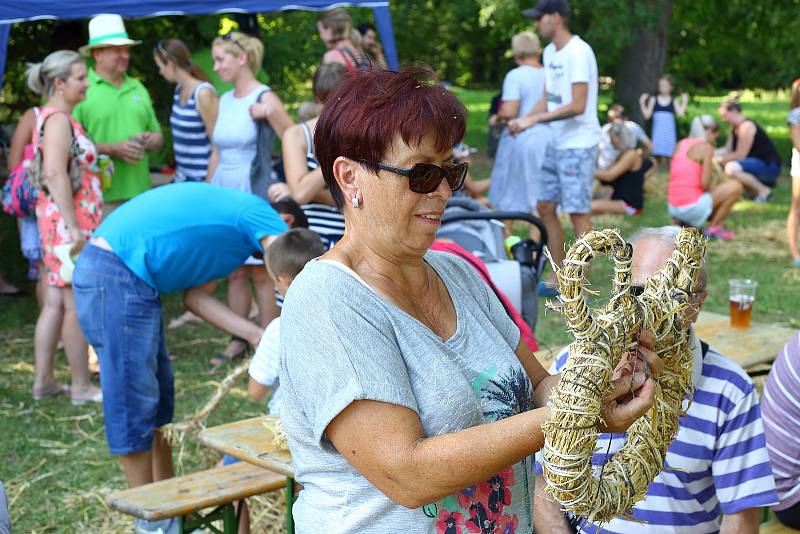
x=409 y=342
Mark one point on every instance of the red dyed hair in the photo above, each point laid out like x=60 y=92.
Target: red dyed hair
x=367 y=110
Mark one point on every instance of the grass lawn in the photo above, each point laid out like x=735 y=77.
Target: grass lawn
x=54 y=458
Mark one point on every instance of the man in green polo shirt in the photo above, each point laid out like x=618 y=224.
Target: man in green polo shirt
x=117 y=112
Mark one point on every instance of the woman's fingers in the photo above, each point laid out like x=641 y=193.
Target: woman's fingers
x=619 y=416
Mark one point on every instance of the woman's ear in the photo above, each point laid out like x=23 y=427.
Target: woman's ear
x=345 y=171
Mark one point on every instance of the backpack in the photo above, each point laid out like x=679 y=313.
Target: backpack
x=19 y=194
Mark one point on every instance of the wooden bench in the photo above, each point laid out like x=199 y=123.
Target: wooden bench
x=776 y=527
x=184 y=497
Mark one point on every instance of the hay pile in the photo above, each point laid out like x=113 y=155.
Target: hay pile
x=602 y=337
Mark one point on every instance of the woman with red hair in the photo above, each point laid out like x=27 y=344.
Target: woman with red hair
x=410 y=403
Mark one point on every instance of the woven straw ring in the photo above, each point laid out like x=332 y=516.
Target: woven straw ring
x=602 y=337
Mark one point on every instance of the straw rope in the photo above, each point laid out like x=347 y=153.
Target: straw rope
x=602 y=337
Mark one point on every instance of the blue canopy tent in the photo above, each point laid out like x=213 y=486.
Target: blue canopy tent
x=26 y=10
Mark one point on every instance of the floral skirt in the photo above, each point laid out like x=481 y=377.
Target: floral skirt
x=88 y=204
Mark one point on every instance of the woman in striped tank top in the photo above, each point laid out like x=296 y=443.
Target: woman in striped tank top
x=304 y=180
x=194 y=109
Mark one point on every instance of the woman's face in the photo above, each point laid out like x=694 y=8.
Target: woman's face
x=165 y=68
x=616 y=141
x=664 y=87
x=75 y=85
x=399 y=222
x=325 y=33
x=226 y=65
x=711 y=136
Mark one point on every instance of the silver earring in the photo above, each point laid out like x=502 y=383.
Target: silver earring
x=356 y=201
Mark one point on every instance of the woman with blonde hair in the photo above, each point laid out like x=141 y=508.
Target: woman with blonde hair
x=69 y=208
x=517 y=166
x=692 y=200
x=335 y=28
x=237 y=57
x=194 y=109
x=793 y=220
x=625 y=175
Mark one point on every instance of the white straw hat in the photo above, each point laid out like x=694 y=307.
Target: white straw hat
x=107 y=30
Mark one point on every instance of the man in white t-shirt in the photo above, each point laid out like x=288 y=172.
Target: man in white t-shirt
x=569 y=106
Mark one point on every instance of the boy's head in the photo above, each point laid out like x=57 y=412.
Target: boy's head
x=289 y=253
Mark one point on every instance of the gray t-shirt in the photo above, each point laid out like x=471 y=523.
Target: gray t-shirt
x=341 y=341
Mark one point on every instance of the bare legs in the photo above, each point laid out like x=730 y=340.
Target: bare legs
x=724 y=196
x=582 y=222
x=750 y=182
x=608 y=206
x=793 y=220
x=148 y=466
x=58 y=309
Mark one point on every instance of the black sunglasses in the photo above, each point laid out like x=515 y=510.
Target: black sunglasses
x=424 y=178
x=229 y=37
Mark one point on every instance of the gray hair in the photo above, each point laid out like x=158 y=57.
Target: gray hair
x=625 y=138
x=667 y=235
x=41 y=76
x=700 y=124
x=525 y=44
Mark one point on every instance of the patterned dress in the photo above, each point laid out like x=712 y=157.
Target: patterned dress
x=87 y=200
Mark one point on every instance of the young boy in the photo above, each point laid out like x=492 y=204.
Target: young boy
x=286 y=258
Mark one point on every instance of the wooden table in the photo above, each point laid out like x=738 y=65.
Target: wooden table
x=250 y=440
x=758 y=344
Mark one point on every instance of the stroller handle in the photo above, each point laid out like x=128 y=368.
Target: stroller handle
x=498 y=216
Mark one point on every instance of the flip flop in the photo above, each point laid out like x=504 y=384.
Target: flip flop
x=221 y=358
x=796 y=263
x=53 y=391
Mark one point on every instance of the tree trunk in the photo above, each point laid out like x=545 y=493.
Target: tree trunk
x=642 y=62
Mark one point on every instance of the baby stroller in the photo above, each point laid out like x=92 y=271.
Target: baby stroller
x=480 y=231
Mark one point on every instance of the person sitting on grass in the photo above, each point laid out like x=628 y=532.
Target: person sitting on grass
x=718 y=463
x=749 y=155
x=625 y=175
x=692 y=200
x=286 y=258
x=606 y=153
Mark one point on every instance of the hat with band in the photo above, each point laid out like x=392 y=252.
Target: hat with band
x=107 y=30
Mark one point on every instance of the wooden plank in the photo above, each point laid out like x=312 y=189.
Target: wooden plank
x=196 y=491
x=758 y=344
x=776 y=527
x=251 y=441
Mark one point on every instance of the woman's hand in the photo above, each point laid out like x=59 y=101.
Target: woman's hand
x=261 y=110
x=278 y=192
x=78 y=241
x=634 y=390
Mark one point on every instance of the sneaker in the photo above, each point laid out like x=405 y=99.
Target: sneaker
x=759 y=199
x=164 y=526
x=796 y=262
x=718 y=232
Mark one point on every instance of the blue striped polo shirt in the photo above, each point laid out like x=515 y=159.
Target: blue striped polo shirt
x=190 y=141
x=717 y=464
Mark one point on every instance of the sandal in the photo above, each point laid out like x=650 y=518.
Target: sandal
x=53 y=391
x=95 y=395
x=718 y=232
x=221 y=358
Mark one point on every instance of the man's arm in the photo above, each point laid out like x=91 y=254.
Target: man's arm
x=744 y=522
x=546 y=512
x=575 y=107
x=202 y=303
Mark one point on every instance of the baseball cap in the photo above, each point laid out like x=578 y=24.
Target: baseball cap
x=545 y=7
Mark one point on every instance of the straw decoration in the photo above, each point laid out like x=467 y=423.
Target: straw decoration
x=602 y=337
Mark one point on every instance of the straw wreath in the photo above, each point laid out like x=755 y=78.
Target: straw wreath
x=602 y=337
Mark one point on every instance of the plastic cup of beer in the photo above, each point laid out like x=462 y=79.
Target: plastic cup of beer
x=742 y=296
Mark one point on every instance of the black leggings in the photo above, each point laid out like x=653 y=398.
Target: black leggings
x=790 y=517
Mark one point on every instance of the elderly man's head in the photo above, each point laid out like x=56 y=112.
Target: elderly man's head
x=652 y=247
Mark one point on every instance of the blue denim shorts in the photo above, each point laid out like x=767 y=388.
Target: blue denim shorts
x=567 y=178
x=766 y=171
x=120 y=316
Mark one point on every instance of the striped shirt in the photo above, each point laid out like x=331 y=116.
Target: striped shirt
x=781 y=407
x=717 y=464
x=190 y=141
x=325 y=220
